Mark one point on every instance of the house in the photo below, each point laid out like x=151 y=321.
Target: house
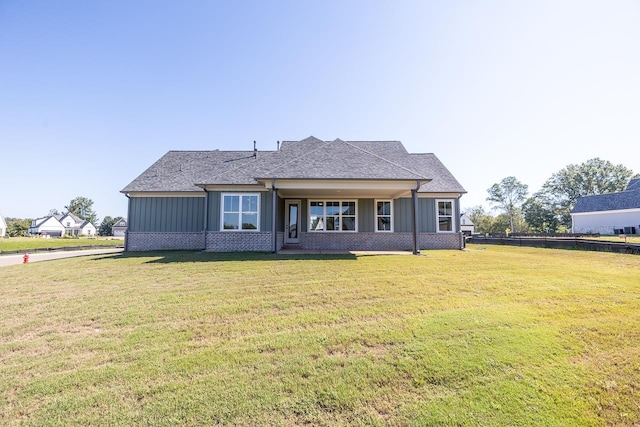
x=76 y=226
x=3 y=226
x=613 y=213
x=47 y=226
x=119 y=228
x=309 y=194
x=466 y=225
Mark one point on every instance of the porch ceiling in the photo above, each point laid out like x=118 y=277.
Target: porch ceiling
x=338 y=189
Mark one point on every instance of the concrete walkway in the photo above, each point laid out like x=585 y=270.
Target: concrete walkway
x=46 y=256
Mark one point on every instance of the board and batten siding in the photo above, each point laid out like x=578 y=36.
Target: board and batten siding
x=403 y=215
x=215 y=209
x=166 y=214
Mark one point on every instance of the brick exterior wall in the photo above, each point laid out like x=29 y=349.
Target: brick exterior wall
x=229 y=241
x=263 y=241
x=378 y=241
x=138 y=241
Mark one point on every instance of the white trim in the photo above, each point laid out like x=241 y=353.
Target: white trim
x=236 y=188
x=375 y=215
x=617 y=211
x=355 y=201
x=239 y=230
x=440 y=195
x=345 y=184
x=168 y=194
x=453 y=216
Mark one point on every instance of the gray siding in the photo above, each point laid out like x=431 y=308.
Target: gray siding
x=366 y=215
x=166 y=214
x=402 y=215
x=403 y=211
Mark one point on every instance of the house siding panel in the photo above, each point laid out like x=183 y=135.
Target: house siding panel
x=366 y=218
x=604 y=223
x=402 y=215
x=166 y=214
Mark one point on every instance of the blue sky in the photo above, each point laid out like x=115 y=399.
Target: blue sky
x=92 y=93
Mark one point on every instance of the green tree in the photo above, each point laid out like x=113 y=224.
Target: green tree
x=82 y=207
x=594 y=176
x=105 y=228
x=17 y=227
x=540 y=213
x=508 y=195
x=482 y=220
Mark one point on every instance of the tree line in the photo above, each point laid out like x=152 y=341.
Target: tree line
x=82 y=207
x=549 y=209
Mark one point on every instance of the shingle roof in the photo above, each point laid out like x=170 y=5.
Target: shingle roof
x=634 y=184
x=628 y=199
x=310 y=158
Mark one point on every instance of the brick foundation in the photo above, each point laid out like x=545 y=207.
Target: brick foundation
x=229 y=241
x=136 y=241
x=263 y=241
x=378 y=241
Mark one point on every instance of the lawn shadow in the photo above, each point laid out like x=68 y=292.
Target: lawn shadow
x=168 y=257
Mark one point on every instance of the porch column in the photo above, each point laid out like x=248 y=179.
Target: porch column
x=274 y=212
x=126 y=232
x=205 y=222
x=414 y=226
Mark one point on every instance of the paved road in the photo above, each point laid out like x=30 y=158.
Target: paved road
x=46 y=256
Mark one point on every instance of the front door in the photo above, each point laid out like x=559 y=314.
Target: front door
x=292 y=222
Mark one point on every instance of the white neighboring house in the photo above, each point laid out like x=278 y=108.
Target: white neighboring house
x=119 y=228
x=47 y=226
x=466 y=225
x=75 y=226
x=3 y=226
x=613 y=213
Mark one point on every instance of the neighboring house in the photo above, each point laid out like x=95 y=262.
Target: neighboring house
x=119 y=228
x=3 y=226
x=466 y=225
x=612 y=213
x=47 y=226
x=309 y=194
x=76 y=226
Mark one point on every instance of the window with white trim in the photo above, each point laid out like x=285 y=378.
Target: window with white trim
x=444 y=215
x=332 y=215
x=240 y=212
x=384 y=215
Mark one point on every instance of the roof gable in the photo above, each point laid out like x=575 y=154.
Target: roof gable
x=339 y=159
x=634 y=184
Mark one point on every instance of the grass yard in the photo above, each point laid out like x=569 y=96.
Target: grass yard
x=493 y=336
x=24 y=243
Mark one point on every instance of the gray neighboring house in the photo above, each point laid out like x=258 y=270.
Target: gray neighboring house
x=309 y=194
x=613 y=213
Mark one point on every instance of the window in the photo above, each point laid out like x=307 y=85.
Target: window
x=332 y=215
x=384 y=215
x=240 y=212
x=444 y=213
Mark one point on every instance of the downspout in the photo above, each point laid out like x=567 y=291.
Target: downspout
x=126 y=233
x=414 y=200
x=206 y=217
x=274 y=211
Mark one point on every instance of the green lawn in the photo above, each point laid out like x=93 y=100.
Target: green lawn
x=492 y=336
x=24 y=243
